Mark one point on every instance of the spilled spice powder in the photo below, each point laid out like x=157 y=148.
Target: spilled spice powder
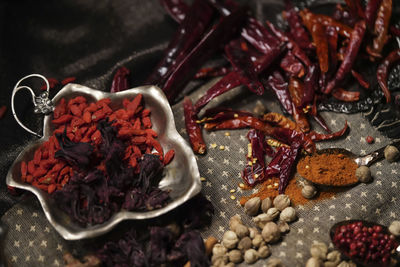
x=328 y=169
x=270 y=189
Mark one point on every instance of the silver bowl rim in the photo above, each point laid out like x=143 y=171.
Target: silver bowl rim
x=171 y=133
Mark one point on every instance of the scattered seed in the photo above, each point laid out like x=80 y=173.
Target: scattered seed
x=233 y=197
x=232 y=191
x=202 y=179
x=227 y=134
x=221 y=147
x=214 y=145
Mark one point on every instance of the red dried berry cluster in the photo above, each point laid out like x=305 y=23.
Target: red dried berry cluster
x=79 y=119
x=368 y=244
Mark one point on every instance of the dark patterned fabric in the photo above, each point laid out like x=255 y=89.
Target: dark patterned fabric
x=90 y=40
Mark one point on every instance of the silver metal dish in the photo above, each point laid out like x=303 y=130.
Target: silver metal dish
x=181 y=176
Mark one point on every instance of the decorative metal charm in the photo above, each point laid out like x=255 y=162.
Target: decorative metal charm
x=42 y=103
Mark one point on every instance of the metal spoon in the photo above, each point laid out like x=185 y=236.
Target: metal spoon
x=385 y=230
x=366 y=160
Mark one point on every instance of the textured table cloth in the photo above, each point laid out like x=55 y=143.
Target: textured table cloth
x=74 y=39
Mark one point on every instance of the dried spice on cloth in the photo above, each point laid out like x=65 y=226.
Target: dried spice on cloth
x=270 y=189
x=328 y=169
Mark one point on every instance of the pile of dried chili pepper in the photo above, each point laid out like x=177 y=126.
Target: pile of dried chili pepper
x=310 y=62
x=81 y=167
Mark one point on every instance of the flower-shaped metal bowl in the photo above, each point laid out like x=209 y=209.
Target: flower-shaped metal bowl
x=181 y=176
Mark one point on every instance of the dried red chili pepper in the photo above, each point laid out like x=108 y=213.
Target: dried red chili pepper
x=383 y=71
x=280 y=87
x=321 y=122
x=188 y=34
x=332 y=38
x=320 y=40
x=228 y=82
x=291 y=65
x=310 y=85
x=395 y=31
x=168 y=157
x=296 y=30
x=253 y=173
x=360 y=79
x=242 y=64
x=370 y=12
x=192 y=128
x=291 y=45
x=52 y=84
x=314 y=136
x=222 y=32
x=356 y=38
x=342 y=14
x=381 y=29
x=296 y=91
x=259 y=37
x=281 y=121
x=342 y=29
x=356 y=8
x=68 y=80
x=3 y=110
x=211 y=72
x=177 y=9
x=120 y=80
x=346 y=96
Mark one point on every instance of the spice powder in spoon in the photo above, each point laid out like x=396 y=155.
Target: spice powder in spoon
x=328 y=169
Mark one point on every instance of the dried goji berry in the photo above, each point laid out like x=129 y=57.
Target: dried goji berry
x=83 y=130
x=103 y=101
x=125 y=102
x=37 y=156
x=45 y=180
x=75 y=110
x=77 y=122
x=65 y=170
x=51 y=188
x=136 y=151
x=151 y=132
x=68 y=80
x=3 y=110
x=133 y=106
x=154 y=143
x=63 y=119
x=60 y=109
x=24 y=168
x=31 y=167
x=137 y=124
x=52 y=83
x=96 y=136
x=146 y=122
x=82 y=106
x=39 y=172
x=169 y=156
x=145 y=113
x=87 y=117
x=98 y=115
x=91 y=108
x=138 y=140
x=71 y=136
x=133 y=162
x=46 y=164
x=29 y=178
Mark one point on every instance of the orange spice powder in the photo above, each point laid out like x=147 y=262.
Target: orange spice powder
x=328 y=169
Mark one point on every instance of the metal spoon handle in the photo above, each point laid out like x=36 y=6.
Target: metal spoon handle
x=374 y=156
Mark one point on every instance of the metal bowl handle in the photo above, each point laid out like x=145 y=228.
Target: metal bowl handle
x=42 y=103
